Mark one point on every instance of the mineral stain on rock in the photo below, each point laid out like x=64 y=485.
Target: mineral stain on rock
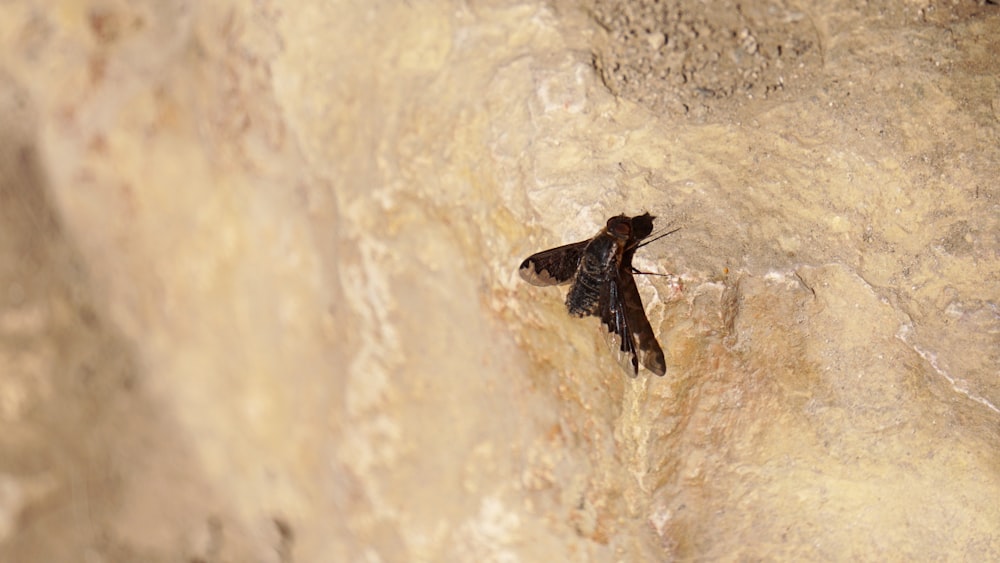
x=697 y=58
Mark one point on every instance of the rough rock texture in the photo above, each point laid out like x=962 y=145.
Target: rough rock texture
x=259 y=301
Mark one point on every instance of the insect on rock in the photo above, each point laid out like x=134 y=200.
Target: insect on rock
x=602 y=285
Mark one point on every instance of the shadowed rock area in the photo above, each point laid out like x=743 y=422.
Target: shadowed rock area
x=259 y=296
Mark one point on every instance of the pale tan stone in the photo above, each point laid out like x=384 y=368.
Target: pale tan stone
x=284 y=239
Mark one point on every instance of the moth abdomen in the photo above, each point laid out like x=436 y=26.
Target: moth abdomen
x=584 y=295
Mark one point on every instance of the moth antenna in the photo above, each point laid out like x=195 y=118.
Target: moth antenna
x=640 y=272
x=656 y=238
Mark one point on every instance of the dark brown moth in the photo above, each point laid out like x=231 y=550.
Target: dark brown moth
x=600 y=273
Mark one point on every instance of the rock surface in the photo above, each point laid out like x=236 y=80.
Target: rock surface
x=259 y=300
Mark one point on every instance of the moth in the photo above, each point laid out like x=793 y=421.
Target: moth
x=602 y=284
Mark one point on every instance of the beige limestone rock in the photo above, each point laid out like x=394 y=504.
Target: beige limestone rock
x=260 y=299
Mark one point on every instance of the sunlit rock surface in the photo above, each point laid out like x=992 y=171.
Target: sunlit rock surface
x=259 y=300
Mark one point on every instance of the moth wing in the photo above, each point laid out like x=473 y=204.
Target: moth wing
x=554 y=266
x=649 y=349
x=618 y=333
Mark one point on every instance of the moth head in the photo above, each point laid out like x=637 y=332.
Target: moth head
x=642 y=225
